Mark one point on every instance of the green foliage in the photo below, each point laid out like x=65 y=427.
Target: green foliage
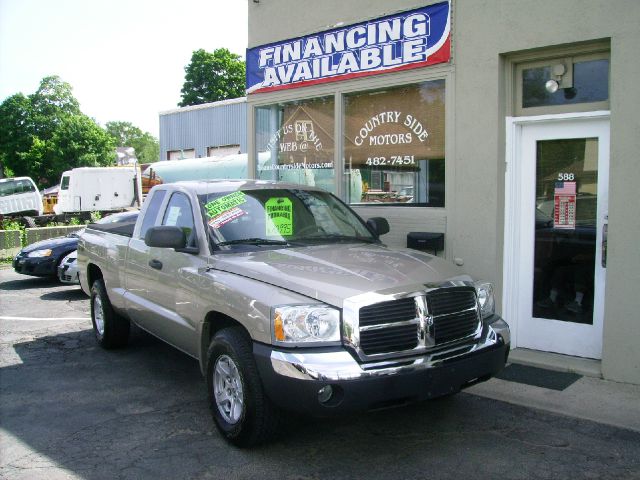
x=13 y=225
x=95 y=216
x=44 y=134
x=16 y=131
x=127 y=135
x=52 y=103
x=211 y=77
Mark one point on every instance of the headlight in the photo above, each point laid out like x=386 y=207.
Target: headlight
x=40 y=253
x=305 y=324
x=485 y=299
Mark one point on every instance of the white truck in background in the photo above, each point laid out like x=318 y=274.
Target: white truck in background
x=90 y=189
x=19 y=196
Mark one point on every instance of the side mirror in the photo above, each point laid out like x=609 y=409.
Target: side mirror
x=378 y=225
x=166 y=237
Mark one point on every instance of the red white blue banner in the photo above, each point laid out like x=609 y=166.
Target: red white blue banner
x=402 y=41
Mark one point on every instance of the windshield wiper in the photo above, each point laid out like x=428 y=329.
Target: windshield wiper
x=253 y=241
x=339 y=238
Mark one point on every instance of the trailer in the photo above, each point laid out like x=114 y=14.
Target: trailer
x=103 y=189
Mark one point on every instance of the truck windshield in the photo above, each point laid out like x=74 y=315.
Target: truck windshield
x=280 y=217
x=13 y=187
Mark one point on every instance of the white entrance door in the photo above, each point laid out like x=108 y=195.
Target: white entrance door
x=557 y=192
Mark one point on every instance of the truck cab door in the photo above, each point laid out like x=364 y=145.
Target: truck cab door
x=141 y=279
x=174 y=298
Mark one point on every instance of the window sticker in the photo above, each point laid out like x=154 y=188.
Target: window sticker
x=226 y=217
x=224 y=204
x=172 y=216
x=279 y=213
x=564 y=210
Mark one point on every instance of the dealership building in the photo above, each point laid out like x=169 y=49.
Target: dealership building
x=507 y=129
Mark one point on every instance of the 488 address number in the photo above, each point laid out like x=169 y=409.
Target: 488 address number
x=392 y=160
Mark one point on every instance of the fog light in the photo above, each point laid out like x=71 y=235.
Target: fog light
x=325 y=394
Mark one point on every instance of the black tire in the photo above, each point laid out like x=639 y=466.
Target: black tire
x=29 y=222
x=256 y=420
x=111 y=330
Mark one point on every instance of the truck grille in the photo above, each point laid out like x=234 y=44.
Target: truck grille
x=387 y=333
x=455 y=313
x=395 y=326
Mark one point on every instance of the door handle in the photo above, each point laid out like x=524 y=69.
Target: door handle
x=605 y=229
x=157 y=264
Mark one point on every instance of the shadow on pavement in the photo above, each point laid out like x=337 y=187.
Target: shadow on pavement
x=29 y=283
x=141 y=412
x=68 y=295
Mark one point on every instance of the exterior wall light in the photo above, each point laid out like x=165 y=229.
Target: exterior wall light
x=551 y=86
x=562 y=77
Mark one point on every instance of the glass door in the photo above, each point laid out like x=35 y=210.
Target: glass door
x=564 y=179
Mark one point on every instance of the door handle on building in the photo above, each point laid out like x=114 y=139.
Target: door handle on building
x=605 y=229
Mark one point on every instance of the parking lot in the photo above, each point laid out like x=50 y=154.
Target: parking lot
x=69 y=409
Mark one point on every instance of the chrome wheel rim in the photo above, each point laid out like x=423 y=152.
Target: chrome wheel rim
x=227 y=389
x=98 y=315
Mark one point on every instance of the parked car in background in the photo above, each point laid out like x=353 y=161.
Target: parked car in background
x=42 y=259
x=68 y=269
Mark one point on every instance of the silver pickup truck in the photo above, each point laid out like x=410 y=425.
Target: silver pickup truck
x=290 y=302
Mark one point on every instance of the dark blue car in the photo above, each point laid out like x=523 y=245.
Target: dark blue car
x=41 y=259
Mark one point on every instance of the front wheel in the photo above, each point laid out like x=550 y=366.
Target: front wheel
x=111 y=330
x=242 y=412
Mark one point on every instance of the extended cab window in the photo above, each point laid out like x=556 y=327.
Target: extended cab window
x=152 y=211
x=179 y=214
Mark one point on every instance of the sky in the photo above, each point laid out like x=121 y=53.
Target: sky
x=124 y=59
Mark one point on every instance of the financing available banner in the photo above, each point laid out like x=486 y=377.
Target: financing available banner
x=402 y=41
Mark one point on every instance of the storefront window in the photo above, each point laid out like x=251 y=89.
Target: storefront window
x=394 y=145
x=295 y=142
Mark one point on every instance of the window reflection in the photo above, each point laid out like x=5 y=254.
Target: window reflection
x=394 y=145
x=295 y=142
x=565 y=230
x=590 y=84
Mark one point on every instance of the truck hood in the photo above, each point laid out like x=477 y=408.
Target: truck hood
x=332 y=273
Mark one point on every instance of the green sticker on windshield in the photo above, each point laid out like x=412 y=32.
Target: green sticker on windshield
x=224 y=204
x=279 y=213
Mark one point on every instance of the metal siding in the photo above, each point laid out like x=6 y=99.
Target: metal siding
x=204 y=127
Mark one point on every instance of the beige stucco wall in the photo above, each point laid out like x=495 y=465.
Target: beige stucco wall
x=484 y=35
x=485 y=31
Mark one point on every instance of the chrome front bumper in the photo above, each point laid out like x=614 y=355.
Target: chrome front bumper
x=341 y=366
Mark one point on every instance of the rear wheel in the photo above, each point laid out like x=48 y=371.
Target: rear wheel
x=242 y=412
x=111 y=330
x=29 y=222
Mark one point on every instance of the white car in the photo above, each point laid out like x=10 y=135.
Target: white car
x=68 y=268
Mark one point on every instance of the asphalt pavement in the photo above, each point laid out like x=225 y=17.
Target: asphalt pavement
x=70 y=410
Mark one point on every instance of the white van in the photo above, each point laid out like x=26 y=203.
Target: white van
x=19 y=196
x=89 y=189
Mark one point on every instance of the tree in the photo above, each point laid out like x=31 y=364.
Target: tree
x=51 y=104
x=15 y=132
x=126 y=134
x=44 y=134
x=211 y=77
x=77 y=141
